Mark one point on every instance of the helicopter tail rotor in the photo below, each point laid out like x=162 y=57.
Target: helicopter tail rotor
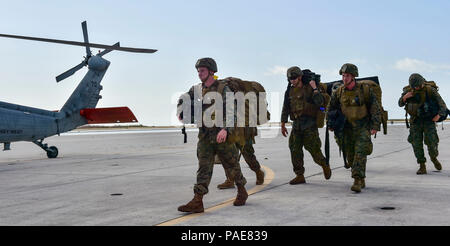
x=86 y=39
x=106 y=51
x=71 y=71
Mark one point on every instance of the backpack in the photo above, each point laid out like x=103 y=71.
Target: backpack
x=376 y=89
x=320 y=120
x=321 y=113
x=428 y=108
x=428 y=85
x=238 y=85
x=367 y=83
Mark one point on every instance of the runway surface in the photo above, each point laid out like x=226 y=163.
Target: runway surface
x=118 y=178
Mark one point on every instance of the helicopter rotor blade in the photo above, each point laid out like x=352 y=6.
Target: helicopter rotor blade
x=86 y=38
x=101 y=46
x=108 y=50
x=71 y=71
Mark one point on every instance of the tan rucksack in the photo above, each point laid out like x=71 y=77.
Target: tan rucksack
x=238 y=85
x=376 y=89
x=428 y=86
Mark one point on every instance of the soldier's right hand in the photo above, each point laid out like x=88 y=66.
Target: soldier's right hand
x=284 y=131
x=436 y=118
x=407 y=95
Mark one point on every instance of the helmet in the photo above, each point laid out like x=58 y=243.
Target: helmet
x=207 y=62
x=349 y=68
x=294 y=72
x=416 y=80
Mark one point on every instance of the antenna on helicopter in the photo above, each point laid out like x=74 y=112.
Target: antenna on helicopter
x=108 y=48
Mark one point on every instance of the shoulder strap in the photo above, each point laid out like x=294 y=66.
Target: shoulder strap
x=191 y=91
x=221 y=87
x=428 y=91
x=366 y=92
x=339 y=92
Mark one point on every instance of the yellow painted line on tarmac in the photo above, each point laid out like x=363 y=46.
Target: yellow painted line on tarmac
x=269 y=175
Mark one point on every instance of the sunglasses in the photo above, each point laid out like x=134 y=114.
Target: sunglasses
x=293 y=77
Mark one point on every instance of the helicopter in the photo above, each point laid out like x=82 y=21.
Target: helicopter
x=22 y=123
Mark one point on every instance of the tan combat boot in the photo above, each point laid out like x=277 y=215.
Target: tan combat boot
x=241 y=196
x=363 y=183
x=228 y=184
x=326 y=171
x=422 y=169
x=356 y=187
x=194 y=206
x=259 y=177
x=299 y=179
x=437 y=164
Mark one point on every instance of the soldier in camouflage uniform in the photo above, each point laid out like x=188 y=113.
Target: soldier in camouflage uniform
x=249 y=155
x=302 y=102
x=422 y=129
x=362 y=120
x=212 y=141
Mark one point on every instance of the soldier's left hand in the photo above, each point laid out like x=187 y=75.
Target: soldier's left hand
x=373 y=132
x=312 y=83
x=222 y=136
x=436 y=118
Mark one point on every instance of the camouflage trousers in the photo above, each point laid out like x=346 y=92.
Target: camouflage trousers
x=308 y=138
x=424 y=131
x=357 y=145
x=248 y=152
x=228 y=154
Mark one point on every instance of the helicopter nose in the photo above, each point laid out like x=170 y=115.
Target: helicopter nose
x=97 y=63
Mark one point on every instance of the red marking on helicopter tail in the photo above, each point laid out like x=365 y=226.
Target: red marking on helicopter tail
x=108 y=115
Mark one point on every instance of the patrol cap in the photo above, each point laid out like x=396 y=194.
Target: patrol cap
x=294 y=72
x=207 y=62
x=416 y=80
x=349 y=68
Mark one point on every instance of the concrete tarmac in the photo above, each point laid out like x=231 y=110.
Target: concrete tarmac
x=140 y=178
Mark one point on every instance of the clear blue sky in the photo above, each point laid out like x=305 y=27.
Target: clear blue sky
x=253 y=40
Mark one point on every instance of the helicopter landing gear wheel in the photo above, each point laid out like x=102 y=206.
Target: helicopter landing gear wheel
x=52 y=152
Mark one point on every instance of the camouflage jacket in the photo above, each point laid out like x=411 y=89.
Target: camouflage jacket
x=372 y=120
x=303 y=121
x=434 y=95
x=202 y=91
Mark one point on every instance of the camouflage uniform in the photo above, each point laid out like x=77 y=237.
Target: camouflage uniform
x=247 y=150
x=208 y=147
x=357 y=142
x=423 y=129
x=304 y=130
